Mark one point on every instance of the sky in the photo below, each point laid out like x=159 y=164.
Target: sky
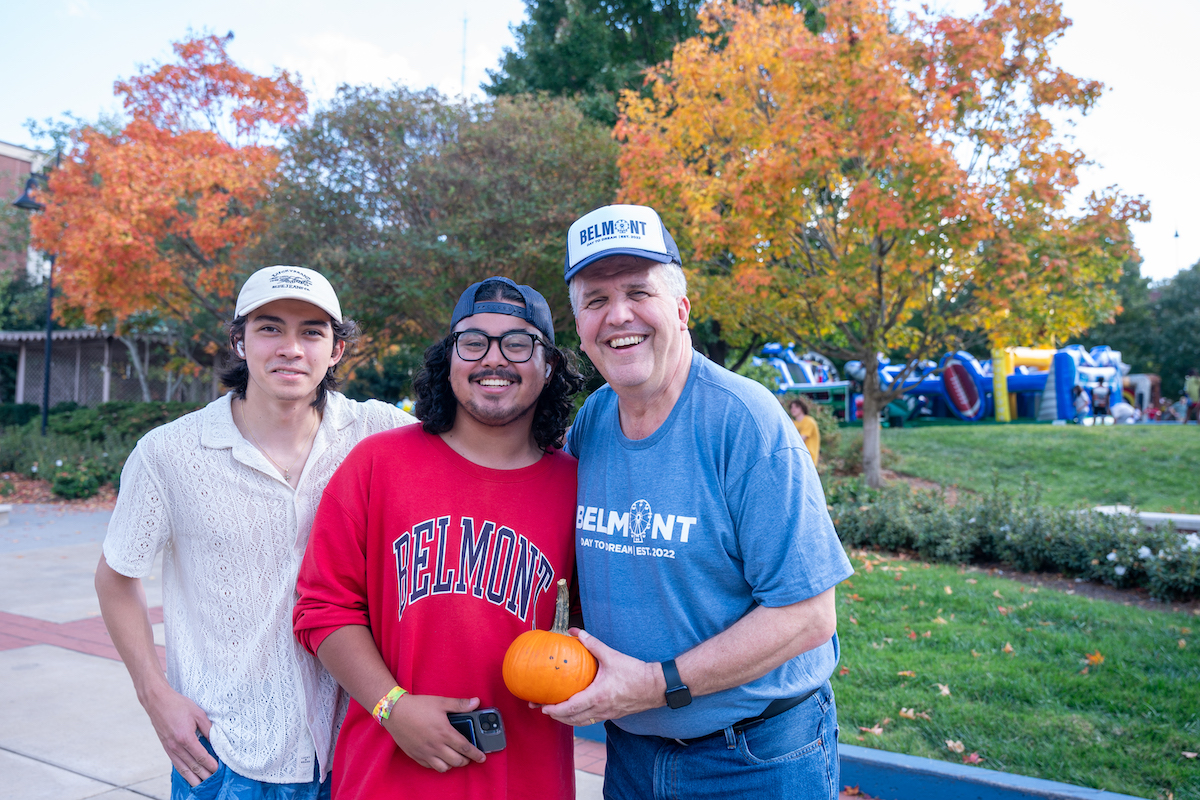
x=1141 y=135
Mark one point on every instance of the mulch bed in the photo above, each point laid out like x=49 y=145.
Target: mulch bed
x=35 y=490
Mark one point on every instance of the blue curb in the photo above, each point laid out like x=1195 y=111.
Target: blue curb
x=893 y=776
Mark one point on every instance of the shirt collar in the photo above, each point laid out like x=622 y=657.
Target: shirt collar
x=219 y=432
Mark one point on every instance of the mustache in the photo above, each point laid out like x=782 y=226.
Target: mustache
x=503 y=374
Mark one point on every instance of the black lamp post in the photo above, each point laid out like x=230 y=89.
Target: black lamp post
x=27 y=202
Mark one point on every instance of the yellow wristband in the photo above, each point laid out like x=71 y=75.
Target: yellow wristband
x=383 y=709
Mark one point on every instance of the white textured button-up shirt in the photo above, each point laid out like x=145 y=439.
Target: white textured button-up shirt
x=233 y=533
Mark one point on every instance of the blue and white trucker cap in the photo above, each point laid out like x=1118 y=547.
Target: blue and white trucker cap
x=618 y=230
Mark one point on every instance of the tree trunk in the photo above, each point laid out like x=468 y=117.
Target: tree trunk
x=135 y=358
x=872 y=406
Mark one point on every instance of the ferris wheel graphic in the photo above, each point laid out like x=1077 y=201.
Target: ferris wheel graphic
x=639 y=521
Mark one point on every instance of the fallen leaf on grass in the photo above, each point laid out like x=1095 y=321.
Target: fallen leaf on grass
x=844 y=671
x=949 y=590
x=912 y=713
x=1182 y=643
x=972 y=758
x=1008 y=648
x=939 y=620
x=944 y=689
x=912 y=634
x=878 y=729
x=975 y=654
x=907 y=673
x=1093 y=658
x=848 y=583
x=853 y=621
x=927 y=634
x=1003 y=611
x=1185 y=631
x=1186 y=754
x=996 y=593
x=1083 y=671
x=854 y=597
x=972 y=580
x=953 y=746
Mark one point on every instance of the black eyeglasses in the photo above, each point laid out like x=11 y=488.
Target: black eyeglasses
x=515 y=346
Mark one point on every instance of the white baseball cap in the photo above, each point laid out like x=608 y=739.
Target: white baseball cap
x=618 y=230
x=288 y=283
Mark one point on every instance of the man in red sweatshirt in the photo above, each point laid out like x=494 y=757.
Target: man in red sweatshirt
x=435 y=548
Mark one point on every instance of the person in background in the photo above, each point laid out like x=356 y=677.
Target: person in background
x=228 y=493
x=807 y=426
x=1191 y=387
x=1100 y=394
x=1080 y=402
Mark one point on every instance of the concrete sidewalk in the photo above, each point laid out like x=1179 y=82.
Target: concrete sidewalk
x=70 y=724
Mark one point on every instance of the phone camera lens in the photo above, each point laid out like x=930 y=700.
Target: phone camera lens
x=489 y=722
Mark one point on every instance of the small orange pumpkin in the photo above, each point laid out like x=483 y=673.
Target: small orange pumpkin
x=549 y=666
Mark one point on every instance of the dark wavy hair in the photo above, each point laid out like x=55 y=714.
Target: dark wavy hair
x=437 y=405
x=236 y=375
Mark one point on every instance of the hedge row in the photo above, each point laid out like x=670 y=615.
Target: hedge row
x=999 y=527
x=85 y=447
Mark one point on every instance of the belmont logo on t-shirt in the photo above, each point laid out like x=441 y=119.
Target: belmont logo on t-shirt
x=487 y=560
x=639 y=523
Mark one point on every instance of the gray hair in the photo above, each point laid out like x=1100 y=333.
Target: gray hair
x=672 y=275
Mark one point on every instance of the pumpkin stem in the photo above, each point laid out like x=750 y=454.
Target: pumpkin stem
x=562 y=608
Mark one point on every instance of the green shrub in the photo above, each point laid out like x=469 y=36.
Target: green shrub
x=122 y=419
x=1029 y=536
x=17 y=414
x=77 y=479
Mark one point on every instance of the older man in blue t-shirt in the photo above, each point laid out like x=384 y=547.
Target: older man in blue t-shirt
x=707 y=560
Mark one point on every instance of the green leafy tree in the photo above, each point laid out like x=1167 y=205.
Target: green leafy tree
x=592 y=49
x=404 y=199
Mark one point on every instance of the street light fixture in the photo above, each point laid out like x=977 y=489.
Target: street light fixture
x=26 y=202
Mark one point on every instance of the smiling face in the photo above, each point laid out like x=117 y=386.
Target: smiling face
x=289 y=347
x=494 y=391
x=632 y=326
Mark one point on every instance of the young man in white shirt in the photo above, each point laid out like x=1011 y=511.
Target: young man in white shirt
x=229 y=494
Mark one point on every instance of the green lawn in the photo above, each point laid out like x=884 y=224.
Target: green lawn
x=1155 y=467
x=1041 y=710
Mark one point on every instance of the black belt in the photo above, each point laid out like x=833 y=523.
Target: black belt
x=776 y=708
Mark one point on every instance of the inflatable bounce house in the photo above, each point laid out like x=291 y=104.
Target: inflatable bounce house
x=1016 y=382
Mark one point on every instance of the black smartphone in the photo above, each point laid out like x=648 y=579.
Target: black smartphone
x=483 y=728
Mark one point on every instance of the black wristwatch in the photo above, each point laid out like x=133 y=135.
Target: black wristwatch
x=678 y=695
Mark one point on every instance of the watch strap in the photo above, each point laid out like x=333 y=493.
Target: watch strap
x=678 y=695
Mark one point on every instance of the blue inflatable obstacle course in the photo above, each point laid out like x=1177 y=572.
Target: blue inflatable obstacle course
x=1033 y=383
x=810 y=374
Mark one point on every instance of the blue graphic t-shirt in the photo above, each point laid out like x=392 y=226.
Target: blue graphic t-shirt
x=681 y=534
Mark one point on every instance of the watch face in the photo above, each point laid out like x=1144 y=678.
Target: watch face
x=679 y=697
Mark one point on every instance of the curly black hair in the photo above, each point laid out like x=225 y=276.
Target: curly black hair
x=236 y=374
x=437 y=405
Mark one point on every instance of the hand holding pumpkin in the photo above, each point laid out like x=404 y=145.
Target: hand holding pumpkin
x=623 y=685
x=419 y=726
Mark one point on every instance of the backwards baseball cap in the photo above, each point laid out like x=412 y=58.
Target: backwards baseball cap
x=618 y=230
x=536 y=311
x=288 y=283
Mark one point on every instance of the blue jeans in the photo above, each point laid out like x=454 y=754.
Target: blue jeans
x=225 y=784
x=793 y=755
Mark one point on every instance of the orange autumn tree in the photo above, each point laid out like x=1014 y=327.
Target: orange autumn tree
x=881 y=185
x=148 y=222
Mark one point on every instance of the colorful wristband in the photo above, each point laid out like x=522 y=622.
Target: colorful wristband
x=383 y=709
